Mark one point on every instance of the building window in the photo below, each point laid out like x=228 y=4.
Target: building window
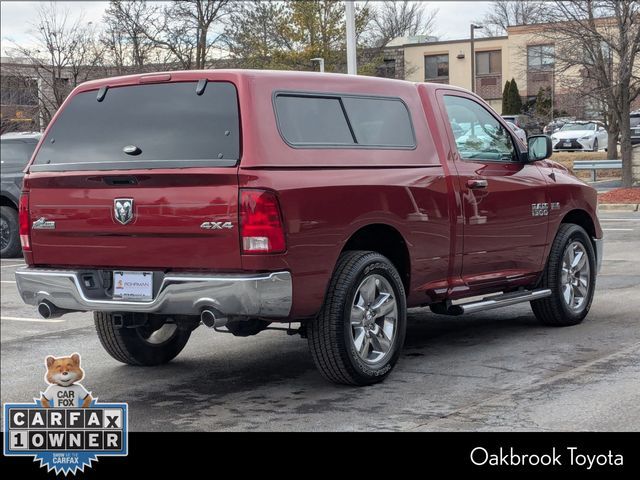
x=605 y=50
x=540 y=57
x=489 y=63
x=21 y=91
x=387 y=69
x=436 y=67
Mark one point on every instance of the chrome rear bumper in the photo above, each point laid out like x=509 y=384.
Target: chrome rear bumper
x=266 y=295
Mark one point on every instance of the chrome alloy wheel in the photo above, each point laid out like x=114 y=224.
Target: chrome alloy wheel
x=576 y=276
x=159 y=336
x=374 y=314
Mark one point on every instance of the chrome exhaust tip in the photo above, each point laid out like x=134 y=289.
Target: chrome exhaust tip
x=212 y=318
x=44 y=310
x=48 y=310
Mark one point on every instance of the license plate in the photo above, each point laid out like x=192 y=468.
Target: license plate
x=567 y=144
x=135 y=286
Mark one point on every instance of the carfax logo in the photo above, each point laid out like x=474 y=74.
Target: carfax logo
x=66 y=428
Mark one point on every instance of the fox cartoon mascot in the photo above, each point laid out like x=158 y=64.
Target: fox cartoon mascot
x=64 y=390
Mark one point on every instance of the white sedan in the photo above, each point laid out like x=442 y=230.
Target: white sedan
x=520 y=133
x=576 y=136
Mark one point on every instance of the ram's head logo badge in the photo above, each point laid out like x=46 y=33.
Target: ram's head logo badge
x=123 y=210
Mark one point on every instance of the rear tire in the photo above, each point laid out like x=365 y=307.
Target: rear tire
x=357 y=337
x=570 y=274
x=141 y=345
x=9 y=230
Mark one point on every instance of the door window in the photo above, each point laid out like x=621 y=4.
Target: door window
x=477 y=133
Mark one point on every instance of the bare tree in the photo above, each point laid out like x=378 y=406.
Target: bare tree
x=398 y=19
x=65 y=53
x=202 y=14
x=504 y=13
x=123 y=35
x=187 y=29
x=597 y=44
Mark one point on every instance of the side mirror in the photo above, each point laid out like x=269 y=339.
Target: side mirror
x=540 y=147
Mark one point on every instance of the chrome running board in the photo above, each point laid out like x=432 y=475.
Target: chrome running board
x=491 y=302
x=504 y=300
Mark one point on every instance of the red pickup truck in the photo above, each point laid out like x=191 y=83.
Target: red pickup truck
x=243 y=199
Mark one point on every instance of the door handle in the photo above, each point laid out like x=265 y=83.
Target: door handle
x=477 y=183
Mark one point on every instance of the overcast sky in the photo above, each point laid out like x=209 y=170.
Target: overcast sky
x=452 y=21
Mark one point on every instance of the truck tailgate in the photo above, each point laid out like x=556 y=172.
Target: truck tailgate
x=166 y=227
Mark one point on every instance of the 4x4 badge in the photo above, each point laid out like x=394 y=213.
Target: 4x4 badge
x=216 y=225
x=123 y=210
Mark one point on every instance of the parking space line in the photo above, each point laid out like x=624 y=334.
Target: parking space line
x=617 y=229
x=16 y=265
x=34 y=320
x=620 y=219
x=7 y=281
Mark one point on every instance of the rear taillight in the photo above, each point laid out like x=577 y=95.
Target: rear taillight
x=261 y=228
x=24 y=222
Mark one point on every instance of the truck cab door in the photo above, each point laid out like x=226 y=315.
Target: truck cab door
x=504 y=200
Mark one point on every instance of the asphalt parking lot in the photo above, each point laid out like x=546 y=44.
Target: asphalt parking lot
x=498 y=370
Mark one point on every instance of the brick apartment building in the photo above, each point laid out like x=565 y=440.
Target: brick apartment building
x=524 y=54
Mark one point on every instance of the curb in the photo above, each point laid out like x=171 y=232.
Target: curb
x=619 y=207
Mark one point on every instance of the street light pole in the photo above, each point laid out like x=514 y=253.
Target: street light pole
x=352 y=66
x=473 y=28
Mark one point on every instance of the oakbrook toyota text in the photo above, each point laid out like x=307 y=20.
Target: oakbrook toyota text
x=572 y=456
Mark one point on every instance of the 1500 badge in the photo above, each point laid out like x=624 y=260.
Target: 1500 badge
x=540 y=209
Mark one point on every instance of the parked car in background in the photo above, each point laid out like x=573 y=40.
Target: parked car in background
x=556 y=124
x=635 y=127
x=525 y=122
x=580 y=136
x=518 y=120
x=16 y=150
x=520 y=133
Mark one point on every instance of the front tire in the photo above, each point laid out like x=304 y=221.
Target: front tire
x=357 y=337
x=144 y=345
x=570 y=274
x=9 y=233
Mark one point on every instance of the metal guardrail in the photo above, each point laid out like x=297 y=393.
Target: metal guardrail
x=595 y=165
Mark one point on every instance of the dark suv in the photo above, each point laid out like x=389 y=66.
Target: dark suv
x=16 y=152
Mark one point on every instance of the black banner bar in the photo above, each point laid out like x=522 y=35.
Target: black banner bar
x=163 y=454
